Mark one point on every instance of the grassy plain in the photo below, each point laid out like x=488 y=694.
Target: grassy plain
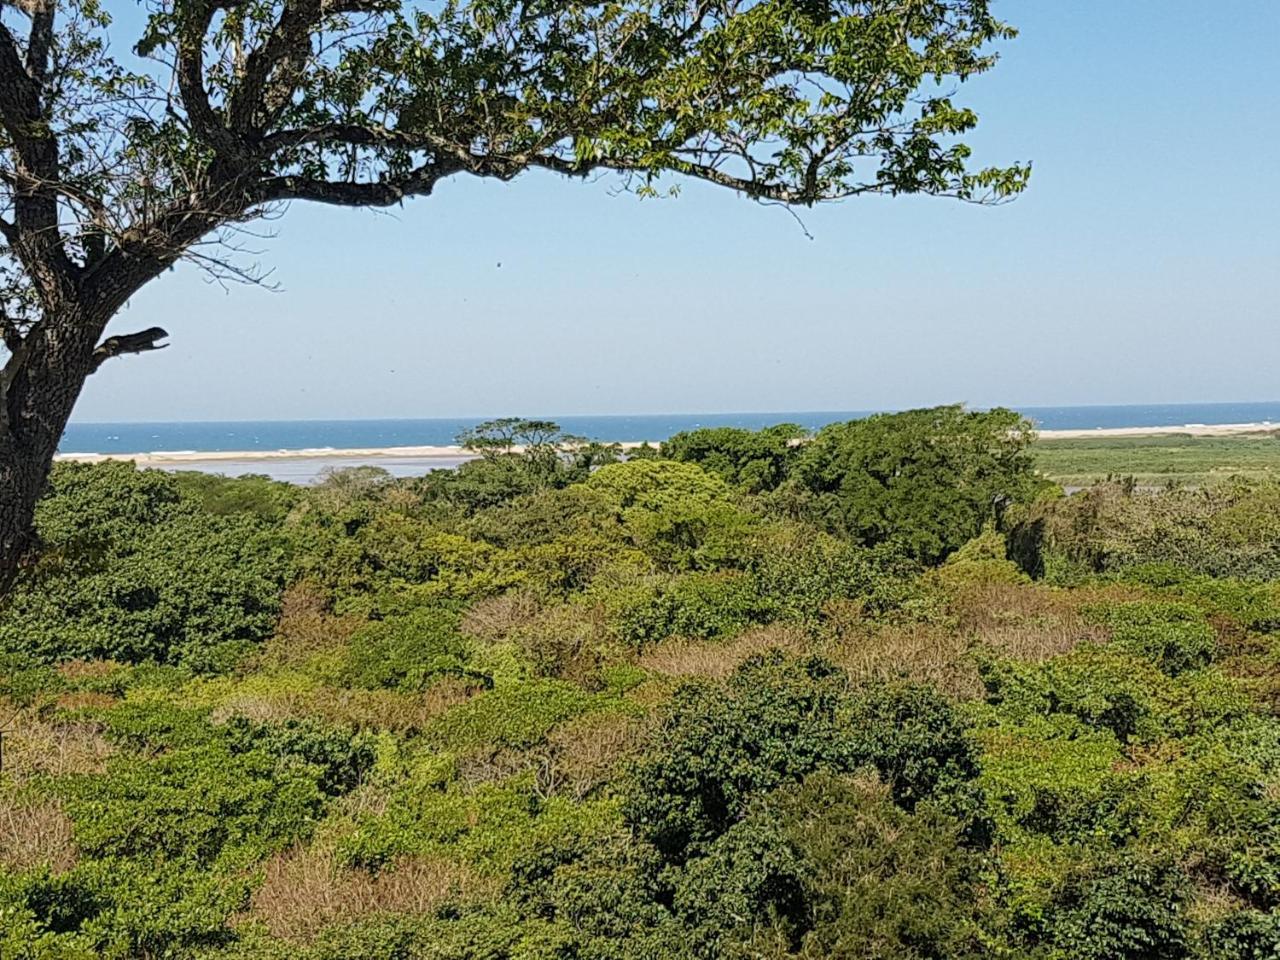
x=1159 y=460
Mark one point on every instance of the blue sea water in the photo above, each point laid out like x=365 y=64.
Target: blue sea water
x=262 y=435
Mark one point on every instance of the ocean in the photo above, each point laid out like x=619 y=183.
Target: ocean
x=259 y=435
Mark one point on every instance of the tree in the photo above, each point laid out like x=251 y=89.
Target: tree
x=113 y=169
x=925 y=480
x=756 y=460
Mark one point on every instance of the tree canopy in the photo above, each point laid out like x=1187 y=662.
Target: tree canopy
x=123 y=152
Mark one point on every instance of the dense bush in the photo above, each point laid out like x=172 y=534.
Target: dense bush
x=1228 y=529
x=408 y=652
x=832 y=868
x=208 y=805
x=677 y=513
x=777 y=721
x=927 y=480
x=1172 y=635
x=134 y=571
x=697 y=605
x=801 y=569
x=537 y=708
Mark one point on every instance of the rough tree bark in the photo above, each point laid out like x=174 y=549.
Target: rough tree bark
x=41 y=384
x=39 y=387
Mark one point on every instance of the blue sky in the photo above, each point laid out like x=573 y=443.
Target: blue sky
x=1142 y=265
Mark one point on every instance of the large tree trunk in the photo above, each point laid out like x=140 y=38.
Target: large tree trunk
x=43 y=385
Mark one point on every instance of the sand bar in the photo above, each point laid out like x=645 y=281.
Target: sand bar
x=171 y=458
x=1187 y=429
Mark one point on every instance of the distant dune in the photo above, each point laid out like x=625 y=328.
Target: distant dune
x=1190 y=429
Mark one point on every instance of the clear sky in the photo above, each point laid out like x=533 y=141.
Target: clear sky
x=1142 y=265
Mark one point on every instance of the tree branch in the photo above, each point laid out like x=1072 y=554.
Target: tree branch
x=37 y=241
x=288 y=40
x=139 y=342
x=40 y=39
x=190 y=70
x=418 y=182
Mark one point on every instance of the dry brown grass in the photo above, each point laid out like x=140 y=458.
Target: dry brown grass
x=563 y=641
x=1032 y=622
x=924 y=653
x=306 y=627
x=405 y=712
x=1028 y=622
x=496 y=618
x=84 y=700
x=304 y=891
x=678 y=657
x=36 y=833
x=76 y=670
x=585 y=753
x=35 y=745
x=487 y=765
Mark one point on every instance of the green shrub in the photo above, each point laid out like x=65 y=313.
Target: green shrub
x=981 y=561
x=676 y=513
x=1245 y=935
x=203 y=805
x=777 y=721
x=517 y=715
x=1254 y=606
x=1055 y=778
x=116 y=909
x=547 y=515
x=608 y=896
x=1105 y=689
x=132 y=569
x=1174 y=636
x=756 y=460
x=252 y=494
x=697 y=605
x=154 y=725
x=832 y=868
x=23 y=679
x=198 y=591
x=1129 y=907
x=1222 y=530
x=340 y=758
x=491 y=826
x=407 y=652
x=801 y=569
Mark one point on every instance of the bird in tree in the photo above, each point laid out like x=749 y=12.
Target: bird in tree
x=114 y=167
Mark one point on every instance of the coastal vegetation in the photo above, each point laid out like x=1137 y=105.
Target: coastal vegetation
x=129 y=146
x=885 y=694
x=1160 y=460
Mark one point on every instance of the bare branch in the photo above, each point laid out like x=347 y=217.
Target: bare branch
x=139 y=342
